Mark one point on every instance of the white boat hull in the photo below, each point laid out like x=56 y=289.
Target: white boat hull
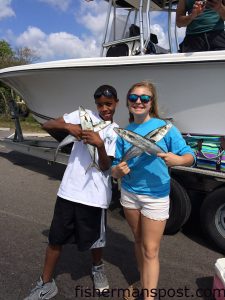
x=191 y=87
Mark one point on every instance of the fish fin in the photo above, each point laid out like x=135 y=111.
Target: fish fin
x=148 y=153
x=55 y=155
x=151 y=140
x=59 y=146
x=93 y=165
x=101 y=125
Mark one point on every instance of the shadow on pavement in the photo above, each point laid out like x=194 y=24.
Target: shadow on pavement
x=205 y=287
x=53 y=171
x=118 y=252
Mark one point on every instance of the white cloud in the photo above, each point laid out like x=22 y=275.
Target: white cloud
x=95 y=24
x=92 y=16
x=159 y=27
x=5 y=9
x=60 y=45
x=32 y=36
x=61 y=4
x=161 y=35
x=96 y=7
x=181 y=33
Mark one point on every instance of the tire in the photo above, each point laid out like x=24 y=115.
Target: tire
x=180 y=208
x=212 y=216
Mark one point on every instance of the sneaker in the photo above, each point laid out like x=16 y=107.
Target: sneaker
x=140 y=297
x=43 y=291
x=99 y=277
x=133 y=292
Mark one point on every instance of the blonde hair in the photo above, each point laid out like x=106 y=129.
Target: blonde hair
x=154 y=112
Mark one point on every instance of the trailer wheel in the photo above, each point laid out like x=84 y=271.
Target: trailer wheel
x=180 y=208
x=212 y=216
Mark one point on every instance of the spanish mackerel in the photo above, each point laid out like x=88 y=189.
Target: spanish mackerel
x=154 y=136
x=86 y=122
x=146 y=145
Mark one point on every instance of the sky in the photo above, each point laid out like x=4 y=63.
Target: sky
x=62 y=29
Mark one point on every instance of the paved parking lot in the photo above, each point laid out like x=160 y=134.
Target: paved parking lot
x=28 y=187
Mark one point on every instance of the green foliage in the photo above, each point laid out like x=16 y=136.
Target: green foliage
x=6 y=54
x=10 y=58
x=28 y=124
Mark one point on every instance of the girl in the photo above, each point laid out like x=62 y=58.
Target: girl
x=146 y=182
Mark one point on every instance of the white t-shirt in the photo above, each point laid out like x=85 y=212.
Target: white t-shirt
x=93 y=187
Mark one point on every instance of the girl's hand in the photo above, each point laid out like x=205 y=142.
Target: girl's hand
x=92 y=138
x=172 y=159
x=120 y=170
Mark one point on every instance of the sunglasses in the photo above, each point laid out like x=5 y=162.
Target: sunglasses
x=143 y=98
x=107 y=93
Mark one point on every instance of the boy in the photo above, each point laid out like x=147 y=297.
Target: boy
x=84 y=193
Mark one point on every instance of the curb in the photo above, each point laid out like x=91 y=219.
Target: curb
x=4 y=129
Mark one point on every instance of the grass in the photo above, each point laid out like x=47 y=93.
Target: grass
x=28 y=124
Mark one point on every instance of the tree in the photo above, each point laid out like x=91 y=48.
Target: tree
x=5 y=49
x=6 y=54
x=25 y=56
x=10 y=58
x=20 y=56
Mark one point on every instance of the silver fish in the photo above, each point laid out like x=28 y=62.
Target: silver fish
x=155 y=136
x=159 y=133
x=67 y=140
x=86 y=124
x=146 y=145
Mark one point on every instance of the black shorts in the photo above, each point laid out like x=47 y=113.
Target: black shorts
x=77 y=223
x=208 y=41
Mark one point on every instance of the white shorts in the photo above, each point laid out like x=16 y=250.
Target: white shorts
x=152 y=208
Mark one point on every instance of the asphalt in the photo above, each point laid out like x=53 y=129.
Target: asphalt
x=28 y=189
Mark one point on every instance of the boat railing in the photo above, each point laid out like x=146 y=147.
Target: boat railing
x=125 y=40
x=123 y=47
x=138 y=41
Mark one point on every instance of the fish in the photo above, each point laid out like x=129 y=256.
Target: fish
x=67 y=140
x=159 y=133
x=86 y=124
x=155 y=136
x=146 y=145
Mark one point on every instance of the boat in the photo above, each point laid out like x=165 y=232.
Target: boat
x=190 y=86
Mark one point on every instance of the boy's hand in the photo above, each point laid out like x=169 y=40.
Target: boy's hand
x=92 y=138
x=74 y=130
x=120 y=170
